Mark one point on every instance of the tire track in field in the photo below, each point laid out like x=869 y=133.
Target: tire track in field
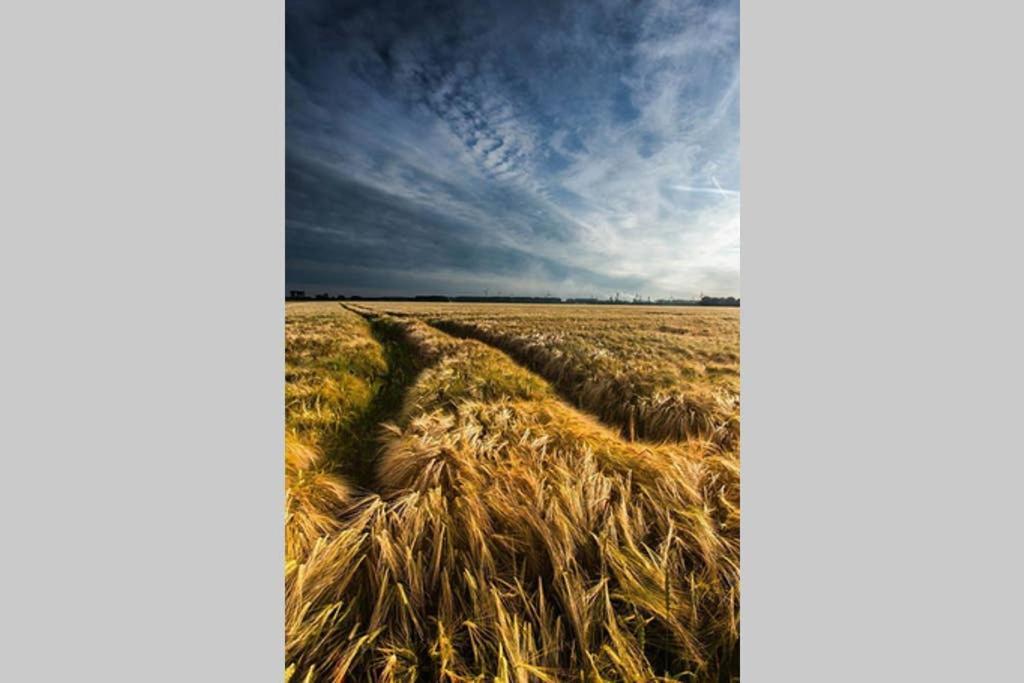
x=627 y=422
x=633 y=418
x=562 y=385
x=402 y=370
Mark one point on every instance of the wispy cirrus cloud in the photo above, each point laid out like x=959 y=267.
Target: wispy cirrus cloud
x=572 y=148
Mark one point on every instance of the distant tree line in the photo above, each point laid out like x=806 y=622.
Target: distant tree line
x=301 y=295
x=719 y=301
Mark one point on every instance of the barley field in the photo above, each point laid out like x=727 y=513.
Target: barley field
x=511 y=493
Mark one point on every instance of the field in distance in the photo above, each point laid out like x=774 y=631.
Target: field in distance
x=659 y=373
x=511 y=493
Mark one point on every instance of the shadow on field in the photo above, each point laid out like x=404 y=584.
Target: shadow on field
x=356 y=449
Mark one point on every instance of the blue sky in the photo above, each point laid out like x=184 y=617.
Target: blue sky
x=575 y=148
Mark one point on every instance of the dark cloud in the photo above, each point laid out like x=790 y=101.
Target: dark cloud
x=337 y=226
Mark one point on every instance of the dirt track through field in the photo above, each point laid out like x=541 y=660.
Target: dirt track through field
x=401 y=373
x=467 y=332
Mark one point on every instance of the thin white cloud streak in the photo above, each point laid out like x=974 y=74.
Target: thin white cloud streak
x=710 y=190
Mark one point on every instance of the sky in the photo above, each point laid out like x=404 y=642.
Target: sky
x=569 y=149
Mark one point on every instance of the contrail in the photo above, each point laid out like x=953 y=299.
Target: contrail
x=717 y=189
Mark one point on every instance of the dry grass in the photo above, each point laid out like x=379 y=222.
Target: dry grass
x=512 y=538
x=332 y=365
x=659 y=373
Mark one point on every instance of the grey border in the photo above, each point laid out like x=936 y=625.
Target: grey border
x=143 y=157
x=880 y=344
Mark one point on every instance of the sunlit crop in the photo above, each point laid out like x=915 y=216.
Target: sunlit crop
x=486 y=529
